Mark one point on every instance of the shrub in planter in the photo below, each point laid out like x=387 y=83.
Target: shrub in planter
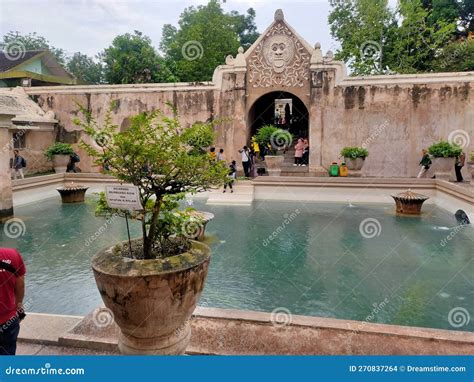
x=59 y=153
x=354 y=157
x=444 y=154
x=274 y=140
x=153 y=289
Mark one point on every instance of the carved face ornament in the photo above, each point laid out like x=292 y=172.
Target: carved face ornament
x=279 y=51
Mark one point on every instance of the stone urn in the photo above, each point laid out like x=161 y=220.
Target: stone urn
x=354 y=164
x=72 y=193
x=152 y=300
x=197 y=230
x=443 y=168
x=274 y=163
x=60 y=163
x=409 y=203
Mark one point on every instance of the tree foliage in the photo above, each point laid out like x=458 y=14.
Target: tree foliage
x=417 y=36
x=33 y=41
x=160 y=157
x=132 y=59
x=84 y=68
x=204 y=37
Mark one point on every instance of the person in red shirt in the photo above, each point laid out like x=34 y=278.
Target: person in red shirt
x=12 y=292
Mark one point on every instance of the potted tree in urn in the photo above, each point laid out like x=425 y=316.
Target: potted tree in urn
x=354 y=157
x=60 y=154
x=274 y=140
x=444 y=157
x=152 y=284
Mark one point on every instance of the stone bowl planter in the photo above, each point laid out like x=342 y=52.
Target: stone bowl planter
x=274 y=163
x=72 y=193
x=198 y=231
x=60 y=163
x=409 y=203
x=354 y=164
x=443 y=168
x=152 y=300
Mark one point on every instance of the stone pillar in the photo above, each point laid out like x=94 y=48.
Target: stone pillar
x=6 y=202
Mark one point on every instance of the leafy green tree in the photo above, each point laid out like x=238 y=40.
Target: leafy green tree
x=204 y=37
x=457 y=56
x=33 y=41
x=362 y=27
x=163 y=160
x=131 y=59
x=84 y=68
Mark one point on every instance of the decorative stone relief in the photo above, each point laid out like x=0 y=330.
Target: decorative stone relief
x=280 y=59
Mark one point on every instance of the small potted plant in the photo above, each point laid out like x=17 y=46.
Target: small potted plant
x=444 y=155
x=153 y=283
x=354 y=157
x=275 y=140
x=60 y=154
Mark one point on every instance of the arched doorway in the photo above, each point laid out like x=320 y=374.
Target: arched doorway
x=282 y=109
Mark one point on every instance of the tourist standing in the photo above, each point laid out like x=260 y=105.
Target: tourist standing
x=12 y=292
x=245 y=152
x=231 y=176
x=299 y=148
x=460 y=161
x=73 y=159
x=425 y=163
x=220 y=156
x=18 y=164
x=212 y=152
x=305 y=159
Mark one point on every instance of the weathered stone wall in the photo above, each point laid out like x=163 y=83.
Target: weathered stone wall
x=6 y=203
x=394 y=117
x=394 y=121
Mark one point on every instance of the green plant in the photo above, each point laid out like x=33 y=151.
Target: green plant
x=156 y=155
x=472 y=156
x=273 y=138
x=444 y=149
x=58 y=148
x=354 y=152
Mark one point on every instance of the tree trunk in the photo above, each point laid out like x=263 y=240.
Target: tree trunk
x=148 y=239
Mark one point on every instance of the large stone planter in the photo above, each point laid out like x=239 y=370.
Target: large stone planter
x=354 y=166
x=443 y=168
x=274 y=163
x=152 y=300
x=60 y=163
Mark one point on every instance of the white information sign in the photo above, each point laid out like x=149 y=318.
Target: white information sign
x=123 y=197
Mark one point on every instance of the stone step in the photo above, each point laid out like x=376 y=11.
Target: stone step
x=243 y=195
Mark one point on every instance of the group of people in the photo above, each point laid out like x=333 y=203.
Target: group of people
x=302 y=152
x=426 y=163
x=18 y=164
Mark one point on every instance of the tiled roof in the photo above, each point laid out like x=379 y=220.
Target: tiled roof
x=10 y=60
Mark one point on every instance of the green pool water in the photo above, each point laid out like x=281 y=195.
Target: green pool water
x=305 y=258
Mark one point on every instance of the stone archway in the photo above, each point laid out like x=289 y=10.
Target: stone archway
x=282 y=109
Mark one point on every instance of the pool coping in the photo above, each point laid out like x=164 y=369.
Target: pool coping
x=219 y=331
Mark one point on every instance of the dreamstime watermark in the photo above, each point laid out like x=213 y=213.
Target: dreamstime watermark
x=370 y=228
x=16 y=137
x=459 y=137
x=101 y=138
x=459 y=317
x=377 y=308
x=14 y=228
x=371 y=51
x=379 y=130
x=444 y=242
x=280 y=139
x=281 y=317
x=192 y=50
x=288 y=219
x=14 y=50
x=192 y=228
x=103 y=317
x=101 y=230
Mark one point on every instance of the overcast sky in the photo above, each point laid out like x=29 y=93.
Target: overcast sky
x=89 y=26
